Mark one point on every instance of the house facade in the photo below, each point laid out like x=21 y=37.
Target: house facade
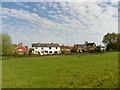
x=80 y=47
x=103 y=48
x=44 y=49
x=100 y=48
x=90 y=47
x=66 y=49
x=21 y=49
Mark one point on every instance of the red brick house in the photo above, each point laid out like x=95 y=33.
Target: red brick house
x=21 y=49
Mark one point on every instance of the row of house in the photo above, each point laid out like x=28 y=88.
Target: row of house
x=54 y=48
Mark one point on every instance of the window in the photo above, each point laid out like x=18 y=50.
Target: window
x=20 y=50
x=42 y=47
x=56 y=47
x=49 y=47
x=55 y=52
x=50 y=51
x=36 y=47
x=46 y=51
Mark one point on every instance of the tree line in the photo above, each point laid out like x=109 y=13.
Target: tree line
x=6 y=46
x=110 y=40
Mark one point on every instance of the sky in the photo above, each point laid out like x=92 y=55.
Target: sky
x=66 y=23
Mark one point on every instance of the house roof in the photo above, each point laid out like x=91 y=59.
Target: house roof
x=79 y=45
x=26 y=47
x=45 y=45
x=90 y=44
x=66 y=47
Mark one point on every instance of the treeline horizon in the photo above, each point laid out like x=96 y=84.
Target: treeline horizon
x=110 y=40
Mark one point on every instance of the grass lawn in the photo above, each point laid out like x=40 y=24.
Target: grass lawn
x=78 y=71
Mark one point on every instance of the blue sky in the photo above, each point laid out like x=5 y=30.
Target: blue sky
x=59 y=22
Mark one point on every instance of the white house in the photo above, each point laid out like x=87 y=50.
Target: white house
x=102 y=48
x=43 y=49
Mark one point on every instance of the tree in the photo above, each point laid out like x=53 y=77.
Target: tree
x=6 y=45
x=110 y=40
x=118 y=42
x=30 y=51
x=86 y=42
x=20 y=43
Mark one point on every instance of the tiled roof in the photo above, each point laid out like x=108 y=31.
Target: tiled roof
x=79 y=45
x=91 y=44
x=45 y=45
x=66 y=47
x=26 y=47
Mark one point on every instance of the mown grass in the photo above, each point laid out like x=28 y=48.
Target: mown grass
x=77 y=71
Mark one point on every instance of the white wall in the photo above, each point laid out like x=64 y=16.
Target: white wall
x=42 y=51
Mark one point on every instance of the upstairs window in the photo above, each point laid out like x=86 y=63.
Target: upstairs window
x=42 y=47
x=20 y=49
x=56 y=47
x=49 y=47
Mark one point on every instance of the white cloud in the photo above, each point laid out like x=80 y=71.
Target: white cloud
x=43 y=7
x=34 y=9
x=22 y=14
x=38 y=5
x=22 y=4
x=4 y=16
x=76 y=23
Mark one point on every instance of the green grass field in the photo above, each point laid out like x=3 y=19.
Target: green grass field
x=78 y=71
